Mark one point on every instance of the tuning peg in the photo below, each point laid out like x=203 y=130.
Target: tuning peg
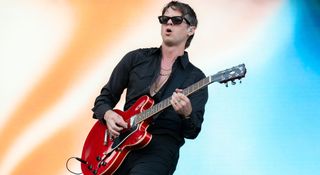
x=233 y=82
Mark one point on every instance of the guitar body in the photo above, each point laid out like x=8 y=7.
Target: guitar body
x=102 y=155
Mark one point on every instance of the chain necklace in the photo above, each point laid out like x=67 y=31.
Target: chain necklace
x=164 y=74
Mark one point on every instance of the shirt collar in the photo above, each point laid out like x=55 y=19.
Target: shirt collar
x=183 y=59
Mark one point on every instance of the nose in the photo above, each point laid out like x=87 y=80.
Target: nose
x=169 y=22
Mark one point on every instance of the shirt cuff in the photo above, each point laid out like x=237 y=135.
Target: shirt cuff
x=100 y=111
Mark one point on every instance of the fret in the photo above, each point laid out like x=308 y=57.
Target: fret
x=166 y=102
x=196 y=86
x=162 y=105
x=191 y=89
x=149 y=112
x=202 y=83
x=156 y=109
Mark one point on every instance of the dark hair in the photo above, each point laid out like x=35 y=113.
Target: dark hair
x=187 y=12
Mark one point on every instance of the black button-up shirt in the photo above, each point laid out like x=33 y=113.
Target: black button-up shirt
x=136 y=72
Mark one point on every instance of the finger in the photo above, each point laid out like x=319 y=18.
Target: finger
x=177 y=106
x=180 y=96
x=112 y=125
x=185 y=102
x=120 y=122
x=117 y=128
x=113 y=133
x=182 y=103
x=174 y=100
x=174 y=95
x=184 y=98
x=179 y=90
x=179 y=103
x=174 y=104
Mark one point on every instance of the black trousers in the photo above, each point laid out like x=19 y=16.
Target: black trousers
x=159 y=157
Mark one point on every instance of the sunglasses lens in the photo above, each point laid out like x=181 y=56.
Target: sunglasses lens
x=176 y=20
x=163 y=19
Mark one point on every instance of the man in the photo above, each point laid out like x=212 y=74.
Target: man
x=160 y=73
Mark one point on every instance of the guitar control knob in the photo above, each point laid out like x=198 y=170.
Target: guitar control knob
x=94 y=171
x=98 y=158
x=90 y=167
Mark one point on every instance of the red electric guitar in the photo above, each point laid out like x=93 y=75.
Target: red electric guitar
x=102 y=155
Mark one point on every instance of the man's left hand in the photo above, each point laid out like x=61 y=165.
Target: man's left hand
x=181 y=103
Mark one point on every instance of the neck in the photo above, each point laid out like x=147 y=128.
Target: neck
x=172 y=52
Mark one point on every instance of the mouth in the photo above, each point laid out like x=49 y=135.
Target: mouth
x=168 y=31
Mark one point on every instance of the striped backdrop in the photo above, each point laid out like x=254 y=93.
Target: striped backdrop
x=57 y=54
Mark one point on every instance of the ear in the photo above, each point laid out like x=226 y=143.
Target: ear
x=191 y=30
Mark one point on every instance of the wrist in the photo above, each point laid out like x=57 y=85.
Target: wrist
x=107 y=114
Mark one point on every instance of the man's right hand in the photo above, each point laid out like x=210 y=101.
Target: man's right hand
x=115 y=123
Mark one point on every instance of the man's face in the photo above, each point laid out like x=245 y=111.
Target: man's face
x=174 y=35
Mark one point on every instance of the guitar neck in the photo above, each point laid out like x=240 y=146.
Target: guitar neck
x=236 y=72
x=166 y=102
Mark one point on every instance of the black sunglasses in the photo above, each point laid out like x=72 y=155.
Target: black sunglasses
x=176 y=20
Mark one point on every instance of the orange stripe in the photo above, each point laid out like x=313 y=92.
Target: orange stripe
x=100 y=22
x=50 y=157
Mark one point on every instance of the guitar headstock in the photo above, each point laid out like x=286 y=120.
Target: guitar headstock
x=232 y=74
